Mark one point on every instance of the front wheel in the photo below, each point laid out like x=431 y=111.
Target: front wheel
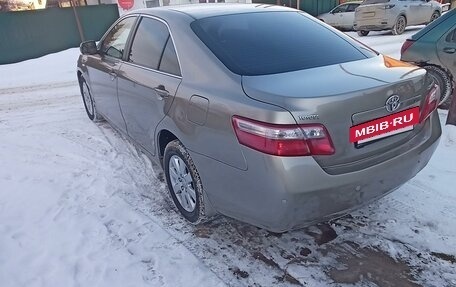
x=363 y=33
x=444 y=81
x=89 y=103
x=184 y=182
x=399 y=27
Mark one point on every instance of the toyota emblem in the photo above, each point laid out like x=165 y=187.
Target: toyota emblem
x=392 y=103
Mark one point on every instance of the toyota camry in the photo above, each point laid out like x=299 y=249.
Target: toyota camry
x=261 y=113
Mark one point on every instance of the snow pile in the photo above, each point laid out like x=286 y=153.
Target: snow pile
x=57 y=68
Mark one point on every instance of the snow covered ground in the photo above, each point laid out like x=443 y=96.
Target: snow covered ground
x=80 y=206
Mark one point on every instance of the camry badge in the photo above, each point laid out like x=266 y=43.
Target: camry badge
x=392 y=103
x=308 y=117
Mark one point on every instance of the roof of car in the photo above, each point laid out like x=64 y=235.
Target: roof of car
x=198 y=11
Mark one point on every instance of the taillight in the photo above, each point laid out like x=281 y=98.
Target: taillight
x=283 y=140
x=407 y=44
x=431 y=103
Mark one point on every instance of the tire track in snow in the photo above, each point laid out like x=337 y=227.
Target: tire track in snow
x=33 y=88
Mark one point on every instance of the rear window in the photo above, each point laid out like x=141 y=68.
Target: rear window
x=274 y=42
x=367 y=2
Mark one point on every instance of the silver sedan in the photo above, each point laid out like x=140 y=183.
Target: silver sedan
x=259 y=112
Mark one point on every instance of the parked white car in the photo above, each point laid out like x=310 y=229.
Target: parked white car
x=342 y=16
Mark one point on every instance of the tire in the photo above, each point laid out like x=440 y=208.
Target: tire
x=444 y=81
x=88 y=101
x=362 y=33
x=434 y=16
x=184 y=183
x=399 y=27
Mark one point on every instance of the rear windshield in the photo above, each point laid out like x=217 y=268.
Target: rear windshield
x=274 y=42
x=367 y=2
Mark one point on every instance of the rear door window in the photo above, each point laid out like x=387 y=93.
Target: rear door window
x=169 y=63
x=274 y=42
x=148 y=44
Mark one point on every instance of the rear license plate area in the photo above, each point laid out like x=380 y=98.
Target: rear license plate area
x=380 y=128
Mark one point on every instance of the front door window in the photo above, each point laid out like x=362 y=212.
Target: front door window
x=114 y=43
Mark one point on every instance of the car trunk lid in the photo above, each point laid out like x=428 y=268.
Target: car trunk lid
x=342 y=96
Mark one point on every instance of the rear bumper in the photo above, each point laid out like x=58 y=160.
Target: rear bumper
x=376 y=25
x=281 y=194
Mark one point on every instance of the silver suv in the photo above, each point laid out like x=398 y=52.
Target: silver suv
x=377 y=15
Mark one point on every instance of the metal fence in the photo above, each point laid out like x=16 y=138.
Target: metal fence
x=31 y=34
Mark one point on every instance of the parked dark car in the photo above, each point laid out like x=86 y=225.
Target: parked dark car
x=434 y=48
x=244 y=119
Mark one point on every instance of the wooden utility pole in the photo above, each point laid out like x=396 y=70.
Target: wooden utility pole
x=451 y=119
x=78 y=21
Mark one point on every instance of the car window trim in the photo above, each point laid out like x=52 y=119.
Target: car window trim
x=151 y=70
x=100 y=43
x=170 y=36
x=163 y=52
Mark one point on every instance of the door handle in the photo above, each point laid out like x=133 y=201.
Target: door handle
x=161 y=92
x=449 y=50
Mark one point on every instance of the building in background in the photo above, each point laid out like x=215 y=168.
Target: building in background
x=20 y=5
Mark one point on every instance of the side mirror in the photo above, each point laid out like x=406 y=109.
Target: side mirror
x=88 y=48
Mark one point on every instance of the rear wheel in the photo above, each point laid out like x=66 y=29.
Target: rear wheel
x=184 y=182
x=443 y=79
x=400 y=25
x=89 y=103
x=363 y=33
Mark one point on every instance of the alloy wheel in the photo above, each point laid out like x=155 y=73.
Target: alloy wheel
x=87 y=98
x=400 y=25
x=182 y=183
